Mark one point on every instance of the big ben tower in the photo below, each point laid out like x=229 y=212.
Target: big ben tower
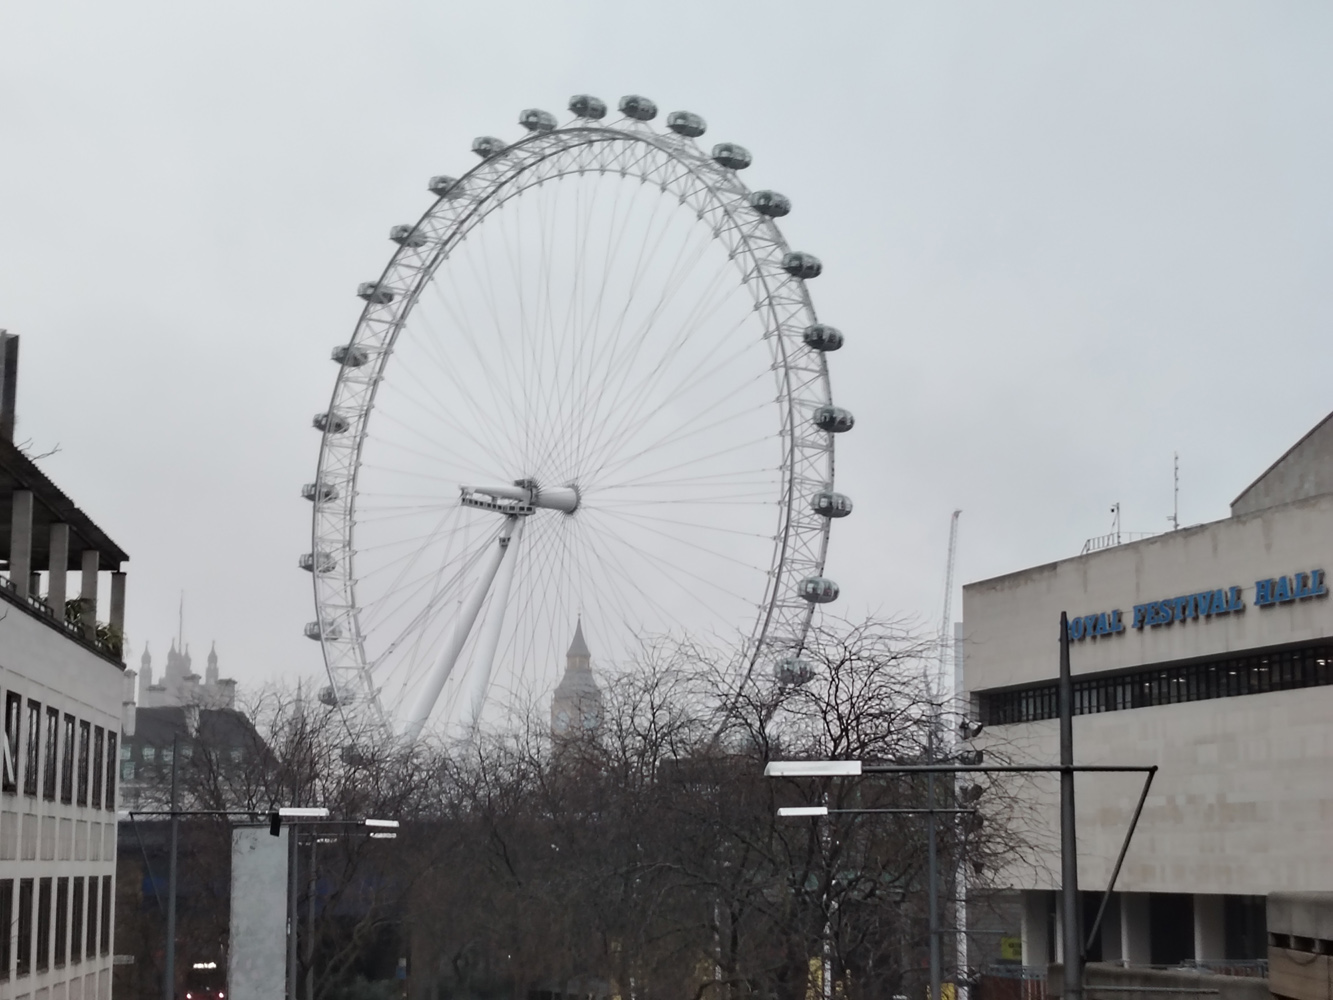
x=577 y=703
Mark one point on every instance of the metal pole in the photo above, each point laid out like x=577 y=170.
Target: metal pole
x=310 y=925
x=1073 y=940
x=933 y=878
x=169 y=973
x=292 y=858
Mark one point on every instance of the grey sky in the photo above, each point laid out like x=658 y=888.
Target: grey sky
x=1062 y=240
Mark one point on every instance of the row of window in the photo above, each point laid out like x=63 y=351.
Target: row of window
x=1285 y=670
x=57 y=922
x=67 y=757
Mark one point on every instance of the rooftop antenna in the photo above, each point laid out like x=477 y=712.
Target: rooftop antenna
x=1115 y=521
x=1175 y=503
x=945 y=630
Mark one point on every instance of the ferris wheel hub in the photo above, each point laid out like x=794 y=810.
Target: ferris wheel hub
x=522 y=498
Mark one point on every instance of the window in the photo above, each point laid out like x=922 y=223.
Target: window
x=85 y=735
x=127 y=770
x=1255 y=673
x=34 y=747
x=91 y=949
x=13 y=713
x=43 y=925
x=106 y=914
x=125 y=752
x=110 y=801
x=67 y=760
x=6 y=922
x=25 y=927
x=76 y=922
x=99 y=740
x=62 y=918
x=50 y=760
x=149 y=754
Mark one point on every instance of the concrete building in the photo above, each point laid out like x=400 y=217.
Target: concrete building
x=577 y=703
x=1207 y=651
x=62 y=686
x=180 y=685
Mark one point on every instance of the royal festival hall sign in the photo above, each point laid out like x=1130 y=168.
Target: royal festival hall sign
x=1202 y=605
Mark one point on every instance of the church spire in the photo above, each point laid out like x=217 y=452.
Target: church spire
x=578 y=648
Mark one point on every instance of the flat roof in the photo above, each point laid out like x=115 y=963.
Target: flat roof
x=50 y=505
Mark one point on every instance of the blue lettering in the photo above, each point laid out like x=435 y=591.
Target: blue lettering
x=1203 y=603
x=1220 y=606
x=1102 y=628
x=1076 y=628
x=1234 y=603
x=1263 y=593
x=1160 y=616
x=1116 y=624
x=1283 y=592
x=1317 y=586
x=1187 y=605
x=1140 y=616
x=1302 y=585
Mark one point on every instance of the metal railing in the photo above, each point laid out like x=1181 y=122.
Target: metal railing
x=38 y=608
x=1114 y=538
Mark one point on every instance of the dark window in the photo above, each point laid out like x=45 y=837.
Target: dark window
x=99 y=743
x=91 y=938
x=76 y=922
x=1171 y=923
x=43 y=925
x=62 y=919
x=50 y=760
x=110 y=770
x=106 y=914
x=13 y=713
x=85 y=735
x=1245 y=919
x=6 y=922
x=30 y=762
x=1158 y=685
x=25 y=927
x=67 y=760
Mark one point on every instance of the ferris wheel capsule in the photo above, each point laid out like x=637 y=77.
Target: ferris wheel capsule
x=587 y=106
x=639 y=108
x=686 y=123
x=322 y=562
x=407 y=236
x=374 y=293
x=350 y=355
x=313 y=630
x=793 y=672
x=488 y=146
x=444 y=186
x=770 y=203
x=822 y=337
x=731 y=156
x=802 y=265
x=833 y=419
x=536 y=120
x=319 y=492
x=819 y=590
x=829 y=504
x=330 y=422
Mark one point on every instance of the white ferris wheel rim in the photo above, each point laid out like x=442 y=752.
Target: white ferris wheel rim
x=630 y=148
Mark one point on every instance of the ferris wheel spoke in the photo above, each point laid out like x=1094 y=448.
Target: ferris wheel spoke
x=679 y=540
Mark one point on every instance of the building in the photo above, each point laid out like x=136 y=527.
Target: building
x=1207 y=651
x=180 y=685
x=62 y=685
x=577 y=703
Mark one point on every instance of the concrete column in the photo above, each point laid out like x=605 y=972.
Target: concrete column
x=35 y=583
x=116 y=615
x=1036 y=910
x=59 y=561
x=1210 y=927
x=20 y=542
x=1135 y=932
x=88 y=593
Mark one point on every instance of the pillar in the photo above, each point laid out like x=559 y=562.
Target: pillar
x=1135 y=932
x=1210 y=927
x=1036 y=924
x=88 y=593
x=20 y=542
x=57 y=565
x=116 y=614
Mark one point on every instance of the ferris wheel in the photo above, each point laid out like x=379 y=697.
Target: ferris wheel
x=589 y=389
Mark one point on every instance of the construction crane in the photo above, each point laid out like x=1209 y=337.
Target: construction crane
x=945 y=679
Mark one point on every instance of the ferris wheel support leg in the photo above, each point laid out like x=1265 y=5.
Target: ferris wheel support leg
x=479 y=676
x=467 y=617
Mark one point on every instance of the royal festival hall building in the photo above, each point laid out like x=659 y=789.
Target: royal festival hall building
x=1207 y=651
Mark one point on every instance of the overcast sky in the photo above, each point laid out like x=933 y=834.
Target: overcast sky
x=1063 y=241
